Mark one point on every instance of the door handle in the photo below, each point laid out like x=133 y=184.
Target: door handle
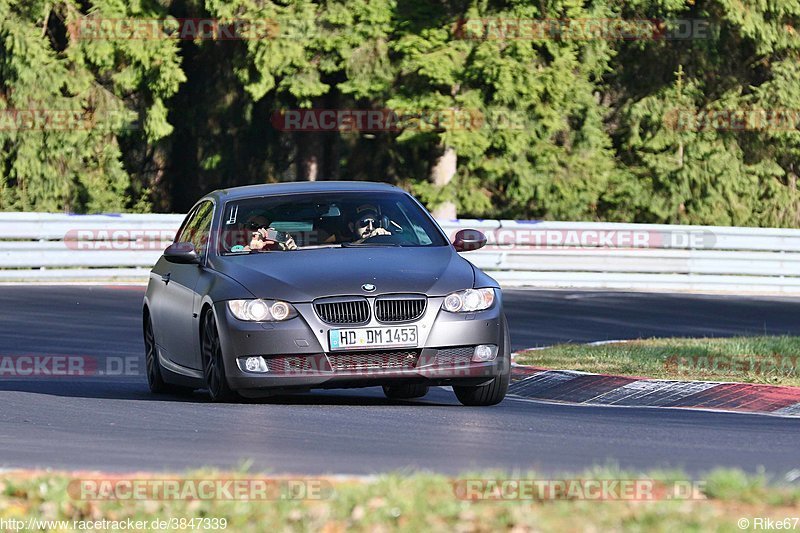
x=165 y=278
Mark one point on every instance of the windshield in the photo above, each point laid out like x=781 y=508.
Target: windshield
x=307 y=221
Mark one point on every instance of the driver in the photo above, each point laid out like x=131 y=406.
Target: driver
x=258 y=225
x=367 y=225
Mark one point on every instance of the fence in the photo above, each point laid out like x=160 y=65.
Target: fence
x=50 y=247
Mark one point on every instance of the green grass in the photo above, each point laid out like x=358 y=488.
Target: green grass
x=423 y=502
x=768 y=360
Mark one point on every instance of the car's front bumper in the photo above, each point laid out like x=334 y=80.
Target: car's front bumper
x=298 y=354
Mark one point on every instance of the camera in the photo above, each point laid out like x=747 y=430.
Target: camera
x=277 y=236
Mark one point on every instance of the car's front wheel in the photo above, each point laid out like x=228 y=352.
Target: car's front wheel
x=493 y=392
x=490 y=394
x=213 y=365
x=405 y=392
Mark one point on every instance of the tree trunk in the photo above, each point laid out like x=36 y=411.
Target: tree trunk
x=310 y=155
x=441 y=175
x=330 y=169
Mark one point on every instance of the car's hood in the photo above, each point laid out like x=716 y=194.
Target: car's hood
x=303 y=275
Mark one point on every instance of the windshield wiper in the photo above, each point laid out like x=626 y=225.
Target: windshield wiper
x=368 y=244
x=319 y=246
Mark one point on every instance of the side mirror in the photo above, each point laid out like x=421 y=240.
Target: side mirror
x=182 y=253
x=467 y=240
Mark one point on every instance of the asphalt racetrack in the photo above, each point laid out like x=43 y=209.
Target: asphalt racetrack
x=113 y=423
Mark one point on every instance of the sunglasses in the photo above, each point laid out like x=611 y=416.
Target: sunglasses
x=363 y=223
x=255 y=225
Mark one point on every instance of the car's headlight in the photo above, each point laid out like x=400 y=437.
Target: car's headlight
x=261 y=310
x=469 y=300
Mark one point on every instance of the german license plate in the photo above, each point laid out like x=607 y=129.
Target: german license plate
x=349 y=339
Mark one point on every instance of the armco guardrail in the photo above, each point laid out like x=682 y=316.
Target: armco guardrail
x=40 y=246
x=44 y=246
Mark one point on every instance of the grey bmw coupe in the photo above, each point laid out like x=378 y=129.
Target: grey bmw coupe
x=289 y=287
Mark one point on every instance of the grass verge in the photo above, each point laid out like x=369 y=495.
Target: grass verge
x=422 y=502
x=767 y=360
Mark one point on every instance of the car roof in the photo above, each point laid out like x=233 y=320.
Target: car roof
x=250 y=191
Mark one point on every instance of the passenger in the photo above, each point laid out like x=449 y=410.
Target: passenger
x=258 y=227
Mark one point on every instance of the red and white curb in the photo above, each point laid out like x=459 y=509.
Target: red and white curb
x=568 y=386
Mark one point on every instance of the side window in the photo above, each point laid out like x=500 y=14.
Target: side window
x=185 y=231
x=198 y=228
x=201 y=229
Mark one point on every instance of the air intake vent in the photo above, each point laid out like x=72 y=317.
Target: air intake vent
x=391 y=309
x=343 y=312
x=354 y=361
x=454 y=356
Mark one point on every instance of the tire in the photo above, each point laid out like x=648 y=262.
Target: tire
x=155 y=378
x=494 y=392
x=213 y=365
x=405 y=392
x=484 y=395
x=152 y=367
